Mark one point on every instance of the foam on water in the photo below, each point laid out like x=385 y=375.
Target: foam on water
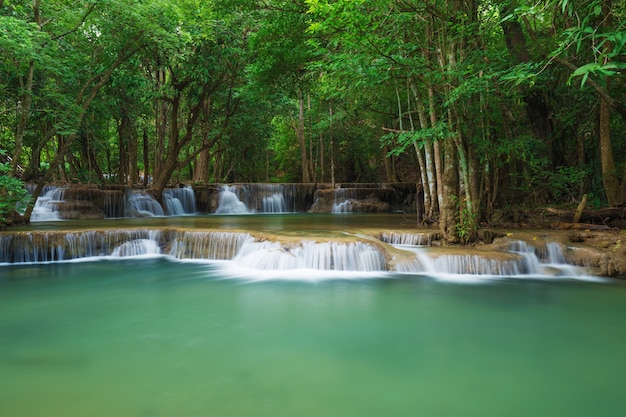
x=230 y=203
x=46 y=206
x=244 y=256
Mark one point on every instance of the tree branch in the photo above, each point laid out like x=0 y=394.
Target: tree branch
x=614 y=104
x=79 y=24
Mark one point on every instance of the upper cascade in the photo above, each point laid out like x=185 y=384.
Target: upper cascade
x=46 y=206
x=230 y=203
x=93 y=202
x=180 y=201
x=103 y=201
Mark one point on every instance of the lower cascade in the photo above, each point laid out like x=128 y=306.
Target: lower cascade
x=310 y=255
x=246 y=251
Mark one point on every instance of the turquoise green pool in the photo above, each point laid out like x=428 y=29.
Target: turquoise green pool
x=154 y=337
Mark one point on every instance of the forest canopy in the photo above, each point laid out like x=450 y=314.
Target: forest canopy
x=485 y=103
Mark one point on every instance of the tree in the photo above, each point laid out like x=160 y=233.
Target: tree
x=599 y=26
x=13 y=194
x=195 y=76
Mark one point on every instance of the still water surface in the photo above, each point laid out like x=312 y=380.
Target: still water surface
x=153 y=337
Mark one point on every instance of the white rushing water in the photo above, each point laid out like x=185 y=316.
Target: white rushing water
x=47 y=205
x=248 y=256
x=178 y=201
x=230 y=202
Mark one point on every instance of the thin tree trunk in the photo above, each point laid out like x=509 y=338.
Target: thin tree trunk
x=422 y=158
x=133 y=171
x=609 y=177
x=306 y=177
x=332 y=148
x=24 y=114
x=146 y=159
x=436 y=148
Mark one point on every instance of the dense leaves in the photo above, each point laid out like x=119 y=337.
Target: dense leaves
x=487 y=104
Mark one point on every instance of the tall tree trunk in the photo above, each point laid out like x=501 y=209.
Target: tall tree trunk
x=123 y=132
x=133 y=154
x=450 y=192
x=610 y=180
x=306 y=176
x=425 y=161
x=615 y=193
x=146 y=159
x=201 y=173
x=24 y=114
x=437 y=156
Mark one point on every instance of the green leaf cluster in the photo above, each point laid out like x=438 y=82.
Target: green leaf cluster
x=13 y=194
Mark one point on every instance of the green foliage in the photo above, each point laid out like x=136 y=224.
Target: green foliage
x=465 y=221
x=284 y=151
x=13 y=194
x=591 y=31
x=372 y=64
x=565 y=182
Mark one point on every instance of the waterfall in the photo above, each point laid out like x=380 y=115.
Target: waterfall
x=241 y=248
x=459 y=264
x=47 y=205
x=548 y=261
x=274 y=203
x=230 y=203
x=335 y=256
x=262 y=198
x=408 y=239
x=179 y=201
x=208 y=245
x=142 y=205
x=243 y=251
x=38 y=247
x=522 y=259
x=137 y=247
x=343 y=200
x=343 y=207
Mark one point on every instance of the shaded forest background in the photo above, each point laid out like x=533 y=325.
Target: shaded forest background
x=487 y=104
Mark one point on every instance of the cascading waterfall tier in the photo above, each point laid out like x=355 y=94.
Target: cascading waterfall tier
x=249 y=252
x=47 y=205
x=103 y=202
x=208 y=245
x=264 y=198
x=98 y=201
x=409 y=239
x=230 y=202
x=326 y=256
x=179 y=201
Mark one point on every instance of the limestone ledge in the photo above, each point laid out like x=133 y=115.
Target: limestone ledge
x=602 y=253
